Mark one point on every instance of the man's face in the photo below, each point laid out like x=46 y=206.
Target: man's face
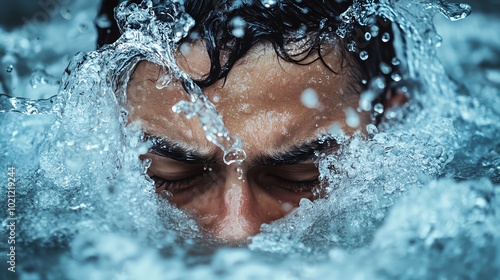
x=260 y=102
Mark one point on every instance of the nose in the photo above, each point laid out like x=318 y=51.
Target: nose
x=236 y=218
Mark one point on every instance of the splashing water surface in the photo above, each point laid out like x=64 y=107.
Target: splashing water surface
x=414 y=198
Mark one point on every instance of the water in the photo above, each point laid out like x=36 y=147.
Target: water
x=417 y=197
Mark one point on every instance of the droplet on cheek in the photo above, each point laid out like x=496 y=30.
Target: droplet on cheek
x=287 y=207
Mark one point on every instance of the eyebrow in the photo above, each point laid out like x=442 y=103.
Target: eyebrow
x=298 y=154
x=173 y=150
x=168 y=148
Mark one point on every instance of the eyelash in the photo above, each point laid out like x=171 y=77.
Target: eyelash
x=296 y=186
x=174 y=185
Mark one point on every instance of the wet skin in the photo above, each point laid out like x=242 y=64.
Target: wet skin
x=260 y=102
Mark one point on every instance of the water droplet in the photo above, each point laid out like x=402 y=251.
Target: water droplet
x=395 y=61
x=233 y=156
x=341 y=32
x=268 y=3
x=372 y=129
x=352 y=118
x=391 y=115
x=438 y=41
x=309 y=98
x=396 y=77
x=146 y=163
x=166 y=194
x=385 y=68
x=239 y=173
x=238 y=27
x=377 y=83
x=378 y=108
x=386 y=37
x=347 y=16
x=9 y=69
x=335 y=130
x=351 y=46
x=287 y=207
x=102 y=21
x=363 y=55
x=366 y=99
x=368 y=36
x=453 y=11
x=374 y=29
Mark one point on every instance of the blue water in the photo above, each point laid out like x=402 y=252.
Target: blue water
x=418 y=198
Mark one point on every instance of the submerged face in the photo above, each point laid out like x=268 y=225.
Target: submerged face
x=260 y=102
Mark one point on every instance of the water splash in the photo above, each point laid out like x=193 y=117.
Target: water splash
x=453 y=11
x=27 y=106
x=83 y=187
x=200 y=106
x=154 y=38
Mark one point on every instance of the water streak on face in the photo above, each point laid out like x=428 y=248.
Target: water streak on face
x=260 y=102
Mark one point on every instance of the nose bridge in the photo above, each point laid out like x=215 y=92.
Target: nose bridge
x=237 y=219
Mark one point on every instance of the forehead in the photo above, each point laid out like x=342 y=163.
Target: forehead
x=262 y=95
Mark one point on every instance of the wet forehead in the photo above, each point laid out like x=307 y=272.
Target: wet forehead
x=260 y=101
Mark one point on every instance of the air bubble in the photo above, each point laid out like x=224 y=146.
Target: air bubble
x=363 y=55
x=9 y=69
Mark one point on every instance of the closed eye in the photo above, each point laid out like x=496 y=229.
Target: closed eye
x=176 y=176
x=288 y=183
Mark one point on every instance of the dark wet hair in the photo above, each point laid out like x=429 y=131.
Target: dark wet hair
x=311 y=22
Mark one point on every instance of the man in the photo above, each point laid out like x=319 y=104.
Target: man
x=281 y=77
